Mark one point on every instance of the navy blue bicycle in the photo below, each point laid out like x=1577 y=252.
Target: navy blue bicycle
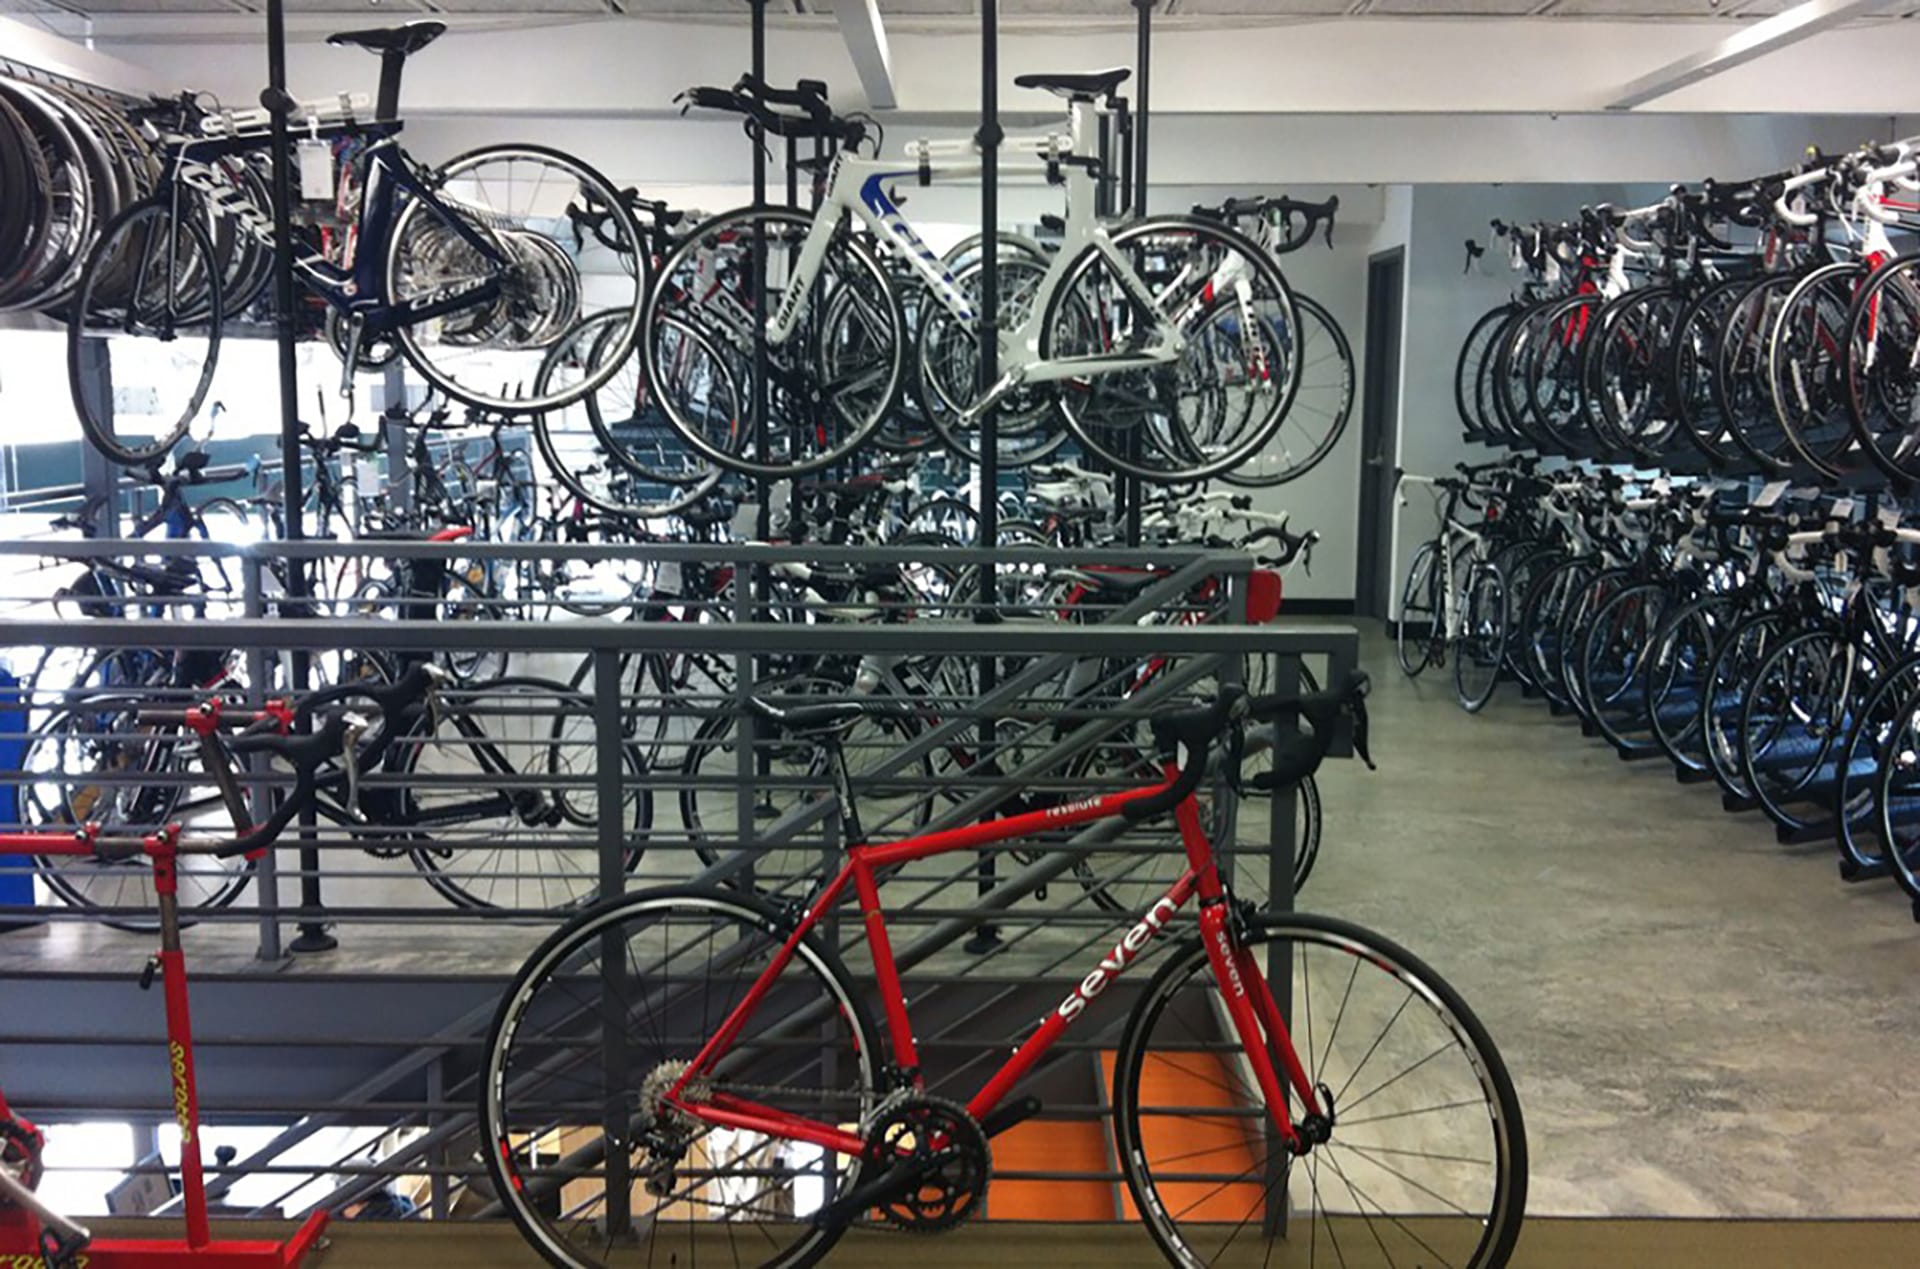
x=472 y=271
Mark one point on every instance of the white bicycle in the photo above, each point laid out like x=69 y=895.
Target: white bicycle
x=1157 y=343
x=1454 y=604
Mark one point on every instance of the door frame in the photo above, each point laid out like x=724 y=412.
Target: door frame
x=1375 y=512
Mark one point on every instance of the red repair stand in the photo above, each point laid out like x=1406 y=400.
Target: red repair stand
x=20 y=1229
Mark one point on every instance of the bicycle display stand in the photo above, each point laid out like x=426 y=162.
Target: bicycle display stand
x=21 y=1234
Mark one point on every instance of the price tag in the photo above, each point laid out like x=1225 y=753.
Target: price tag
x=668 y=580
x=1890 y=517
x=1770 y=493
x=367 y=473
x=1842 y=509
x=316 y=170
x=1662 y=486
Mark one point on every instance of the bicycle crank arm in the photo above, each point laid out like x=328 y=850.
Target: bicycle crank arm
x=896 y=1182
x=993 y=395
x=460 y=812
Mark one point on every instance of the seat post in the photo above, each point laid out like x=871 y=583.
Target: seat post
x=386 y=107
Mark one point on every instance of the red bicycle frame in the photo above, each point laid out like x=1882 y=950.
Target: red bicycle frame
x=1250 y=1005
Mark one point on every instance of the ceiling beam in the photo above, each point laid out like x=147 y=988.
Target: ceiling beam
x=866 y=37
x=1789 y=27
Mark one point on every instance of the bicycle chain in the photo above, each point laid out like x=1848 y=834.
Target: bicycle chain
x=885 y=1104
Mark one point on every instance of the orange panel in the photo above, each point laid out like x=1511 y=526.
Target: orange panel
x=1217 y=1146
x=1051 y=1145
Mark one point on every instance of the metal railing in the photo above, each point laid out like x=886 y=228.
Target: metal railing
x=649 y=739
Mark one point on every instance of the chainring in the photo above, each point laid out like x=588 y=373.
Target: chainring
x=947 y=1150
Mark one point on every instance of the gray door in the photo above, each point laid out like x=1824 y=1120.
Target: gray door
x=1379 y=417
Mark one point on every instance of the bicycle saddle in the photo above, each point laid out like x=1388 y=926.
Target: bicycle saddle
x=1109 y=581
x=827 y=716
x=404 y=40
x=1085 y=84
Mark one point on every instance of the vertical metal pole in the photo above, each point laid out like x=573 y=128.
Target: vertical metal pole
x=266 y=881
x=746 y=804
x=99 y=478
x=393 y=439
x=988 y=139
x=607 y=740
x=1103 y=188
x=793 y=172
x=1142 y=63
x=313 y=936
x=762 y=526
x=438 y=1189
x=1282 y=807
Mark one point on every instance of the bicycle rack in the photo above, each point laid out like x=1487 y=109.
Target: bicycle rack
x=23 y=1234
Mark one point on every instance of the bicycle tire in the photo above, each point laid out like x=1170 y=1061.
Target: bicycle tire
x=1422 y=585
x=462 y=881
x=1189 y=456
x=1328 y=394
x=618 y=226
x=513 y=1118
x=1481 y=650
x=81 y=367
x=1165 y=1068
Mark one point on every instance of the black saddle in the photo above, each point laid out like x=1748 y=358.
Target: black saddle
x=404 y=40
x=1088 y=84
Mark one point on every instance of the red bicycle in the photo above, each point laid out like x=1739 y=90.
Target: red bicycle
x=691 y=1075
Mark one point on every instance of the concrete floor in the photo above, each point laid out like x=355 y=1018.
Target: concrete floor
x=1699 y=1022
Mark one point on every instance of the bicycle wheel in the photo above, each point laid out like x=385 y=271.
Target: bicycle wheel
x=1417 y=630
x=1481 y=647
x=1223 y=397
x=1476 y=352
x=1426 y=1157
x=92 y=763
x=1317 y=419
x=1883 y=334
x=1676 y=675
x=947 y=368
x=496 y=803
x=1723 y=700
x=1613 y=658
x=827 y=387
x=1800 y=704
x=144 y=334
x=488 y=352
x=1806 y=365
x=623 y=458
x=1857 y=814
x=592 y=1164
